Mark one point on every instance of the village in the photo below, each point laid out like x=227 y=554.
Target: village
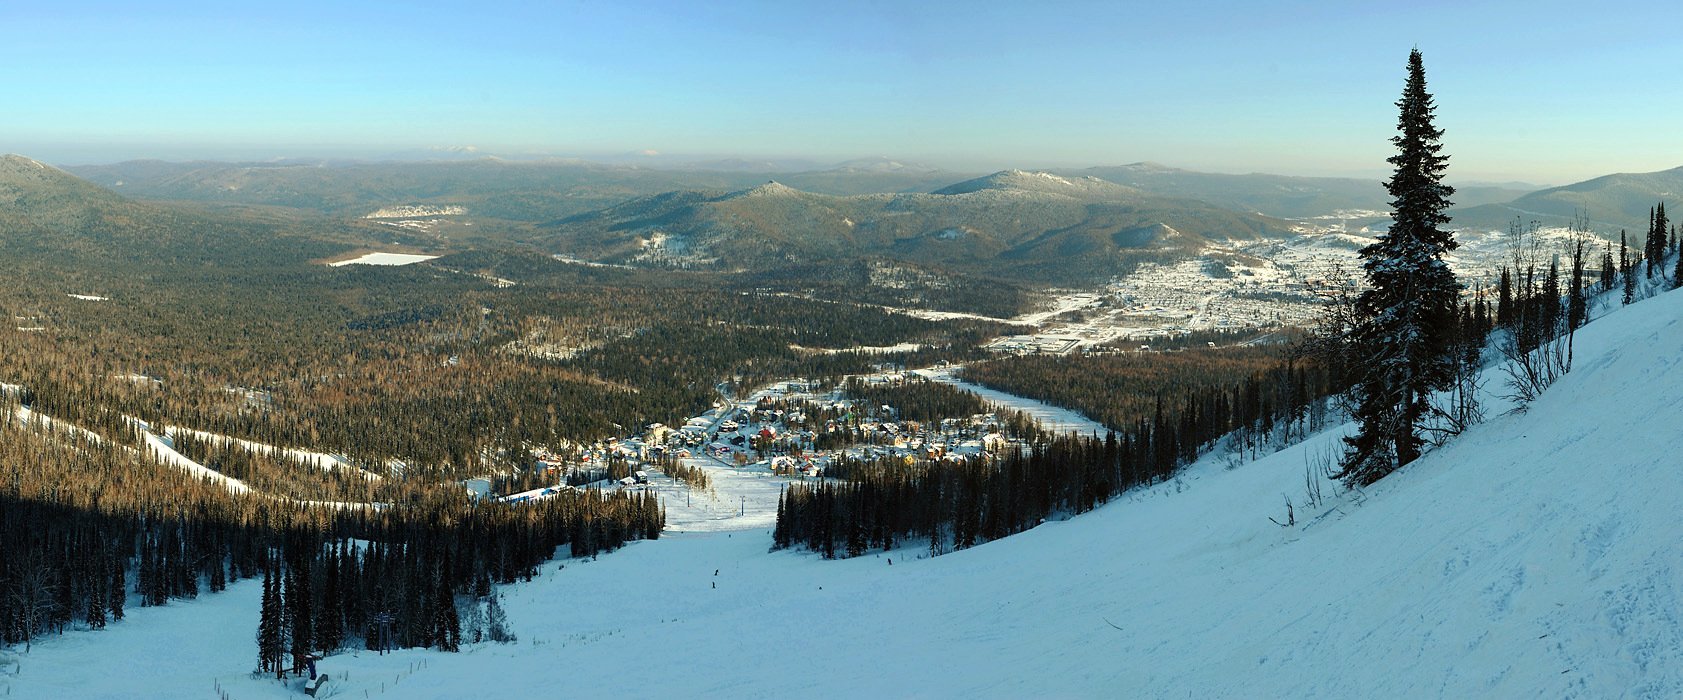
x=1242 y=287
x=790 y=431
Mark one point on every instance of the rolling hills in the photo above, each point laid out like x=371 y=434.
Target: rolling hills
x=1033 y=226
x=1275 y=195
x=1535 y=556
x=1615 y=201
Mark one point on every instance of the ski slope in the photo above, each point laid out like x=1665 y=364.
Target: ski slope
x=1540 y=555
x=1053 y=418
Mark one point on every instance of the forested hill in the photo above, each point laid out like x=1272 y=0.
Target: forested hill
x=1036 y=227
x=1611 y=202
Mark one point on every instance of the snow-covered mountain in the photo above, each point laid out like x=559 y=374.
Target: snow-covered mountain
x=1021 y=181
x=1538 y=555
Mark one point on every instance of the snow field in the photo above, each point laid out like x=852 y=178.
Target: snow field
x=1537 y=556
x=390 y=259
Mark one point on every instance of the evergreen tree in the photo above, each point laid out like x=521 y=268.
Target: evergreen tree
x=1626 y=268
x=1624 y=253
x=1407 y=327
x=1656 y=249
x=1630 y=282
x=330 y=618
x=1677 y=272
x=298 y=607
x=1505 y=299
x=1548 y=305
x=270 y=643
x=119 y=586
x=1609 y=273
x=1577 y=305
x=96 y=598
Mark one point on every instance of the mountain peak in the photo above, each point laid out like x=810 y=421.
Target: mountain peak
x=29 y=183
x=882 y=164
x=14 y=165
x=771 y=188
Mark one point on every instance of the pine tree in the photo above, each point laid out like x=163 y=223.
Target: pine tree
x=1656 y=240
x=1505 y=299
x=1406 y=332
x=270 y=642
x=1609 y=273
x=1648 y=243
x=330 y=615
x=118 y=594
x=1630 y=282
x=96 y=597
x=1577 y=305
x=1677 y=273
x=297 y=601
x=1548 y=305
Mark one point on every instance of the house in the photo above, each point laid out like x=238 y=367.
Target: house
x=785 y=465
x=657 y=432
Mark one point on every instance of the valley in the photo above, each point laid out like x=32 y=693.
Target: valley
x=1105 y=345
x=750 y=350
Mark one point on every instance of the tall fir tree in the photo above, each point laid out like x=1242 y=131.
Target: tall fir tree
x=270 y=632
x=1548 y=305
x=1406 y=329
x=1630 y=282
x=1624 y=252
x=1648 y=243
x=1677 y=272
x=1661 y=224
x=298 y=606
x=1505 y=299
x=1609 y=273
x=1577 y=304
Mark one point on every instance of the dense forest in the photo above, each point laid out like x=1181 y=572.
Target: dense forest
x=89 y=527
x=1116 y=389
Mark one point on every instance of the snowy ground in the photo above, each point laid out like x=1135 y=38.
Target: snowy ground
x=384 y=259
x=1538 y=556
x=1053 y=418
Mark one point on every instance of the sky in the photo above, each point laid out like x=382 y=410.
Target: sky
x=1540 y=92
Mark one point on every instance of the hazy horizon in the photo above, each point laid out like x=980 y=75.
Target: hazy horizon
x=720 y=162
x=1305 y=90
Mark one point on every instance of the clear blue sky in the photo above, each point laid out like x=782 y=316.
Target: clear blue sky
x=1539 y=91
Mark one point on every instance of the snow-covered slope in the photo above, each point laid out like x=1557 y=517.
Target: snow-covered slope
x=1540 y=555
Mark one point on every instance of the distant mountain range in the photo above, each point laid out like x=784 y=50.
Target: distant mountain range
x=1276 y=195
x=529 y=191
x=1610 y=202
x=1035 y=226
x=50 y=218
x=1041 y=226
